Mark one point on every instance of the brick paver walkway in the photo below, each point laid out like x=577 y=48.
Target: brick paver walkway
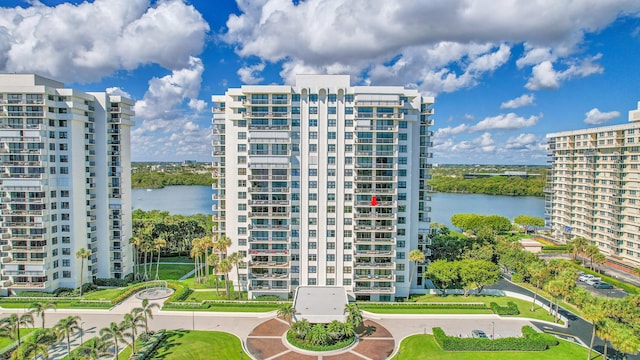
x=266 y=342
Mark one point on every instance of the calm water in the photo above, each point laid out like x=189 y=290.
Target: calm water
x=188 y=200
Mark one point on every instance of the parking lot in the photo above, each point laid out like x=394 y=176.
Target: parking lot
x=612 y=293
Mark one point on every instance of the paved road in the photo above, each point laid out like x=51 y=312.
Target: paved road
x=578 y=327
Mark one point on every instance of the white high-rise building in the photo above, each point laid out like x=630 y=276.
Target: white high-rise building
x=593 y=188
x=323 y=183
x=65 y=184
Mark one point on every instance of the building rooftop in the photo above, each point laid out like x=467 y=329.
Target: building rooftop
x=320 y=304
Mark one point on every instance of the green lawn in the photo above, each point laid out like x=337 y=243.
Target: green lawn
x=65 y=304
x=195 y=345
x=5 y=341
x=425 y=347
x=168 y=271
x=211 y=295
x=523 y=305
x=176 y=259
x=106 y=294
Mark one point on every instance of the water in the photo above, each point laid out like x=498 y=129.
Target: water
x=188 y=200
x=183 y=200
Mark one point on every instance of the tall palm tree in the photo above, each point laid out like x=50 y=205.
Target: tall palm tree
x=158 y=245
x=133 y=321
x=416 y=256
x=577 y=245
x=195 y=254
x=39 y=309
x=113 y=334
x=213 y=260
x=591 y=250
x=221 y=245
x=236 y=260
x=147 y=312
x=95 y=349
x=287 y=311
x=225 y=268
x=10 y=326
x=82 y=254
x=136 y=241
x=36 y=348
x=595 y=315
x=538 y=273
x=67 y=326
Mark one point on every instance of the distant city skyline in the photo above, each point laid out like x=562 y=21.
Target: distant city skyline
x=504 y=74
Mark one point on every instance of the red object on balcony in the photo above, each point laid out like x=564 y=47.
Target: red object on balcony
x=374 y=202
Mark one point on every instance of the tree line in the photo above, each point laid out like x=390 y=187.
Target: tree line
x=497 y=185
x=157 y=180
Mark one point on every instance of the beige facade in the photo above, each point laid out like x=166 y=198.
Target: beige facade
x=593 y=188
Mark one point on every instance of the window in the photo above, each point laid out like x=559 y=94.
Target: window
x=313 y=148
x=66 y=274
x=400 y=278
x=313 y=245
x=312 y=281
x=331 y=197
x=313 y=109
x=400 y=255
x=331 y=184
x=242 y=147
x=312 y=270
x=348 y=135
x=346 y=257
x=403 y=124
x=313 y=97
x=331 y=160
x=242 y=135
x=313 y=172
x=348 y=184
x=312 y=234
x=349 y=98
x=332 y=97
x=331 y=257
x=348 y=110
x=313 y=184
x=346 y=269
x=313 y=196
x=347 y=233
x=331 y=233
x=312 y=257
x=66 y=251
x=402 y=172
x=313 y=122
x=66 y=262
x=331 y=245
x=402 y=136
x=331 y=110
x=313 y=135
x=242 y=207
x=331 y=148
x=402 y=148
x=331 y=221
x=331 y=135
x=402 y=160
x=402 y=184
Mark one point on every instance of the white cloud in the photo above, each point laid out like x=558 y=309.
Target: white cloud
x=595 y=117
x=250 y=74
x=544 y=76
x=118 y=91
x=520 y=101
x=522 y=142
x=484 y=143
x=435 y=46
x=91 y=40
x=197 y=105
x=508 y=121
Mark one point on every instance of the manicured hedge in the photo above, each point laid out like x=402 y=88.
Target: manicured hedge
x=555 y=248
x=528 y=332
x=299 y=343
x=529 y=342
x=510 y=309
x=425 y=305
x=181 y=292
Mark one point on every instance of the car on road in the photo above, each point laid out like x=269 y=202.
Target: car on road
x=479 y=334
x=585 y=277
x=602 y=285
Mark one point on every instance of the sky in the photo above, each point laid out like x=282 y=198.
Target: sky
x=504 y=73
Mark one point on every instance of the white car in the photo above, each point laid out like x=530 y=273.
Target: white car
x=585 y=277
x=593 y=280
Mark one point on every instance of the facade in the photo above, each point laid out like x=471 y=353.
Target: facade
x=593 y=188
x=65 y=184
x=323 y=184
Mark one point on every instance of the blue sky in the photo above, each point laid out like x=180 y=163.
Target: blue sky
x=504 y=73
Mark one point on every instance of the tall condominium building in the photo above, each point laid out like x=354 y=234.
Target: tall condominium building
x=593 y=188
x=323 y=184
x=64 y=182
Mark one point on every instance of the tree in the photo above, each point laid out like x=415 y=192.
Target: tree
x=538 y=274
x=625 y=340
x=478 y=251
x=35 y=348
x=416 y=256
x=554 y=288
x=637 y=271
x=158 y=244
x=444 y=273
x=213 y=260
x=287 y=311
x=526 y=220
x=67 y=326
x=147 y=312
x=476 y=274
x=354 y=315
x=577 y=245
x=82 y=254
x=600 y=259
x=236 y=260
x=132 y=321
x=113 y=334
x=225 y=267
x=301 y=328
x=594 y=314
x=39 y=308
x=318 y=335
x=94 y=349
x=10 y=326
x=592 y=251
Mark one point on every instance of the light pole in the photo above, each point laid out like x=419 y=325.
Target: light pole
x=81 y=333
x=493 y=330
x=193 y=319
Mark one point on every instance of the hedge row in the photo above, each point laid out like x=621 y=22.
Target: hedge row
x=510 y=309
x=180 y=293
x=555 y=248
x=451 y=305
x=528 y=342
x=150 y=346
x=207 y=304
x=128 y=291
x=528 y=332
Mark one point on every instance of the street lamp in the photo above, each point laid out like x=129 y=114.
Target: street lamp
x=81 y=333
x=493 y=330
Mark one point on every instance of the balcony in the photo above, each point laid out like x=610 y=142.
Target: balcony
x=268 y=214
x=257 y=252
x=375 y=290
x=375 y=265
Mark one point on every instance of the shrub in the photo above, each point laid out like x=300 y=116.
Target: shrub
x=302 y=344
x=146 y=351
x=181 y=292
x=115 y=282
x=528 y=342
x=510 y=309
x=517 y=278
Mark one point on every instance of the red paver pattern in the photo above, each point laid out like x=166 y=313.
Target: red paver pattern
x=375 y=349
x=373 y=330
x=264 y=348
x=343 y=356
x=292 y=355
x=273 y=327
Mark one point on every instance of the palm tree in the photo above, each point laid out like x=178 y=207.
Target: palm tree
x=195 y=254
x=213 y=260
x=416 y=256
x=95 y=349
x=36 y=348
x=225 y=267
x=577 y=245
x=554 y=288
x=318 y=335
x=158 y=244
x=594 y=314
x=354 y=315
x=147 y=312
x=599 y=259
x=221 y=244
x=591 y=250
x=287 y=311
x=136 y=241
x=236 y=260
x=67 y=326
x=113 y=333
x=10 y=326
x=39 y=309
x=132 y=321
x=82 y=254
x=301 y=328
x=538 y=272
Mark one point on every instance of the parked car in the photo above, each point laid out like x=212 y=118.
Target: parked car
x=602 y=285
x=593 y=280
x=585 y=277
x=478 y=334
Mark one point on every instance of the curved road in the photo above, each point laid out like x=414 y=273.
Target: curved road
x=578 y=327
